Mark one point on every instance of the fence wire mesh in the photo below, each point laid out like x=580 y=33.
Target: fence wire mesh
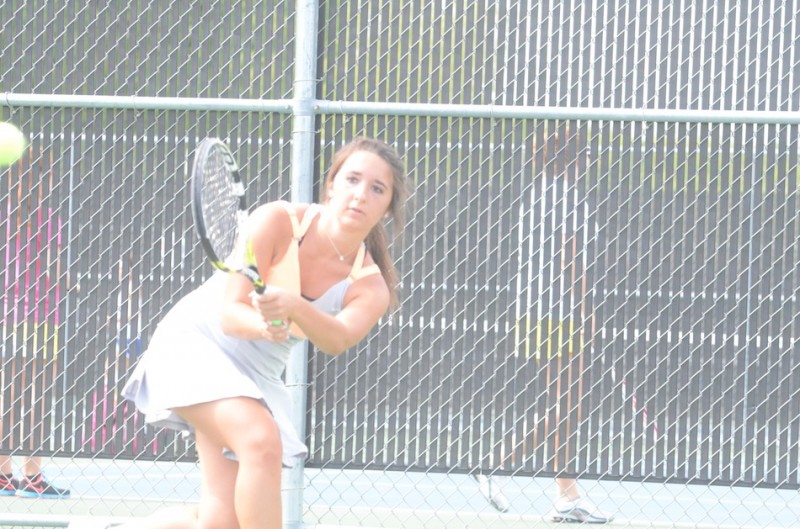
x=609 y=301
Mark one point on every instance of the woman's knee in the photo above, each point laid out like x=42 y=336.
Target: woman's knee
x=244 y=425
x=258 y=444
x=222 y=519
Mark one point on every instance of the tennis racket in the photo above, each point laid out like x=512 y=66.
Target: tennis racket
x=220 y=210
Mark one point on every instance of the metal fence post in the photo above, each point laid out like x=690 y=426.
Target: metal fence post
x=303 y=131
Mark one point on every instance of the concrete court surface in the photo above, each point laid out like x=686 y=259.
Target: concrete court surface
x=117 y=490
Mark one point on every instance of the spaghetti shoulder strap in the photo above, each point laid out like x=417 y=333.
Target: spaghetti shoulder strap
x=359 y=270
x=300 y=227
x=308 y=217
x=296 y=233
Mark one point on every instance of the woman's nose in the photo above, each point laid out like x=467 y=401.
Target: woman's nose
x=359 y=192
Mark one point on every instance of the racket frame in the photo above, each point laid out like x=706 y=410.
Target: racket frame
x=201 y=153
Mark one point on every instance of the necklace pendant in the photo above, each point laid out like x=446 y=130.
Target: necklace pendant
x=335 y=249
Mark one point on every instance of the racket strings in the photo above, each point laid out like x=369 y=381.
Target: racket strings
x=220 y=203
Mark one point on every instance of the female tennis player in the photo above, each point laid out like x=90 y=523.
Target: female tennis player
x=214 y=364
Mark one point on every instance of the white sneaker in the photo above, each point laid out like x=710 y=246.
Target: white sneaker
x=492 y=492
x=577 y=511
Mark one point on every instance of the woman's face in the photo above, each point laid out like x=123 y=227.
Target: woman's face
x=361 y=191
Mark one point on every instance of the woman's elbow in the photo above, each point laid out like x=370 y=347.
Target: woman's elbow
x=335 y=346
x=332 y=349
x=229 y=324
x=227 y=328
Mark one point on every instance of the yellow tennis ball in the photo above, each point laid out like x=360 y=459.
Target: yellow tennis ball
x=12 y=144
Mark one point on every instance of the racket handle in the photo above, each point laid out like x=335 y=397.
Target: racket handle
x=260 y=289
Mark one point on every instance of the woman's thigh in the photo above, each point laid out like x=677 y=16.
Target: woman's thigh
x=242 y=425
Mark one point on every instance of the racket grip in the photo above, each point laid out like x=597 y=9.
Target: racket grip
x=260 y=289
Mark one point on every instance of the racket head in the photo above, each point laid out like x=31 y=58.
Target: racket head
x=219 y=207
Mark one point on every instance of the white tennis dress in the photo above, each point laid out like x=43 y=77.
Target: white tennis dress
x=190 y=360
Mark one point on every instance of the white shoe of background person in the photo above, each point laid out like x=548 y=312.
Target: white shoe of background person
x=579 y=510
x=490 y=488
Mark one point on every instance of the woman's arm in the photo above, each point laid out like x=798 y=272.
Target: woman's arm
x=270 y=226
x=366 y=301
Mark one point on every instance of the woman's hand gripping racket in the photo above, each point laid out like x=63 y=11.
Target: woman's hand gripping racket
x=220 y=210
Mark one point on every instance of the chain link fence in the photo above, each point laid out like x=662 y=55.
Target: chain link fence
x=599 y=271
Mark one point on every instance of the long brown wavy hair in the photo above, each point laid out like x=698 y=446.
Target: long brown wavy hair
x=377 y=241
